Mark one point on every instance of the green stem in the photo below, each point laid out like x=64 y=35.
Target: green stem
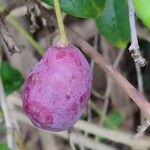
x=63 y=37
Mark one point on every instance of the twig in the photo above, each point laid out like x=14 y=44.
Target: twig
x=13 y=22
x=116 y=136
x=7 y=37
x=144 y=124
x=7 y=118
x=87 y=142
x=106 y=102
x=140 y=85
x=71 y=142
x=142 y=128
x=133 y=93
x=139 y=60
x=109 y=86
x=97 y=94
x=95 y=45
x=134 y=47
x=89 y=119
x=76 y=138
x=89 y=109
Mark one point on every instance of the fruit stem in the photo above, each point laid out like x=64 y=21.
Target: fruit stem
x=63 y=37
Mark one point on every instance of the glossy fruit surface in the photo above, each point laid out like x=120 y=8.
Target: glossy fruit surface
x=58 y=88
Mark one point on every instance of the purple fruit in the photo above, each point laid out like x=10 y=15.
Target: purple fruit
x=58 y=88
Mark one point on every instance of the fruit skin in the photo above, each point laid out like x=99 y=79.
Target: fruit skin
x=58 y=88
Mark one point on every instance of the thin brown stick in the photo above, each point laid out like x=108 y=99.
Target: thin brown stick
x=116 y=136
x=133 y=93
x=134 y=47
x=142 y=128
x=71 y=142
x=7 y=37
x=109 y=87
x=140 y=85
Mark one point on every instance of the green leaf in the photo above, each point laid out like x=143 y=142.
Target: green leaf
x=3 y=147
x=11 y=77
x=113 y=24
x=115 y=118
x=143 y=11
x=81 y=8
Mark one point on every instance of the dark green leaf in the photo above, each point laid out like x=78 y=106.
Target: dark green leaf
x=81 y=8
x=114 y=23
x=11 y=77
x=115 y=118
x=3 y=147
x=143 y=11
